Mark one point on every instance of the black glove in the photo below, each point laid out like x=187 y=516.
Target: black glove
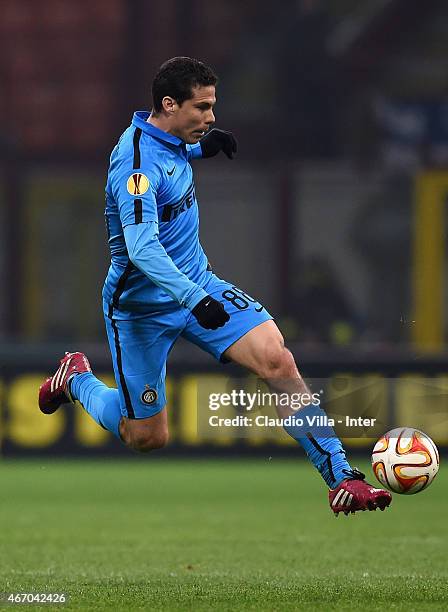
x=210 y=313
x=218 y=140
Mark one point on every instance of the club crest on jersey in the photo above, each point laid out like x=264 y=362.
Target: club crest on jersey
x=137 y=184
x=149 y=396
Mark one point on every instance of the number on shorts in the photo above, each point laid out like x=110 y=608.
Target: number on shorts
x=239 y=298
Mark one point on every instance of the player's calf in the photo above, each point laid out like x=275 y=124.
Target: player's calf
x=145 y=435
x=145 y=444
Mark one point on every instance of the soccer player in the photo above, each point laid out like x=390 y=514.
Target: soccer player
x=160 y=286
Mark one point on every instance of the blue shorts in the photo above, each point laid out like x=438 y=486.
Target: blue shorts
x=140 y=346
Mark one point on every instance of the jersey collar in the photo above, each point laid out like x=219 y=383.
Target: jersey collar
x=140 y=120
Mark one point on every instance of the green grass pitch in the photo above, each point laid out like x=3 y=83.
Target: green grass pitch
x=164 y=534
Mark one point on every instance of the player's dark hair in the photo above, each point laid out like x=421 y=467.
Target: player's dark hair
x=176 y=78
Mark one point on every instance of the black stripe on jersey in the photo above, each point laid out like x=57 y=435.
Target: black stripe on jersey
x=138 y=211
x=124 y=387
x=106 y=218
x=121 y=284
x=316 y=444
x=114 y=304
x=137 y=158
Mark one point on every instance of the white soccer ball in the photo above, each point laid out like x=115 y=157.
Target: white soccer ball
x=405 y=460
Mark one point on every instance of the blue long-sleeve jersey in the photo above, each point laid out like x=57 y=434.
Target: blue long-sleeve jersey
x=152 y=220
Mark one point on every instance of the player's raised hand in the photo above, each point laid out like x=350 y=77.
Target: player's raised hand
x=210 y=313
x=218 y=140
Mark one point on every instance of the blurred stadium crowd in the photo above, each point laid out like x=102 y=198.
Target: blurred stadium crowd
x=338 y=106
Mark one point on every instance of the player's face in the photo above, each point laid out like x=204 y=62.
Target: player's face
x=194 y=117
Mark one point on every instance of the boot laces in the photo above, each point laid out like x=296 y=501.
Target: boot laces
x=354 y=474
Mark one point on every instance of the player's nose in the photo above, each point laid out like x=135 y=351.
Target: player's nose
x=210 y=118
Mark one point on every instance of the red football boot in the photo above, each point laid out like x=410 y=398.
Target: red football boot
x=54 y=391
x=354 y=494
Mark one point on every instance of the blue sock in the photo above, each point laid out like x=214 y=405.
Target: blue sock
x=322 y=446
x=100 y=401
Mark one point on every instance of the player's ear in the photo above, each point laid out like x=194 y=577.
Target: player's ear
x=169 y=104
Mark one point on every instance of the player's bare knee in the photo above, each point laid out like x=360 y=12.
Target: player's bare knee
x=277 y=361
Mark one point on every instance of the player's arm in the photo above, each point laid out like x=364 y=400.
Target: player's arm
x=149 y=256
x=135 y=193
x=212 y=143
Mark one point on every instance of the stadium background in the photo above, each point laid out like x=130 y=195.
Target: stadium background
x=336 y=201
